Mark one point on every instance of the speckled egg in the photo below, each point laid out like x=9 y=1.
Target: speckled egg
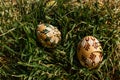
x=48 y=35
x=89 y=52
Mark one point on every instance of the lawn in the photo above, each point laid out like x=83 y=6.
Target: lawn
x=22 y=57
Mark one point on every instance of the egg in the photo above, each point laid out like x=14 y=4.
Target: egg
x=89 y=52
x=48 y=35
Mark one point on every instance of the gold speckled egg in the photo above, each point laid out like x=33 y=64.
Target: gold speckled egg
x=48 y=35
x=89 y=52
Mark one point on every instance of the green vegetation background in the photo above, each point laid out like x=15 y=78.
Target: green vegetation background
x=23 y=58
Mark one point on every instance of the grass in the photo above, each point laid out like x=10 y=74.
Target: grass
x=23 y=58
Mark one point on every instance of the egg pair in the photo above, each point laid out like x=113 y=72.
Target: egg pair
x=89 y=50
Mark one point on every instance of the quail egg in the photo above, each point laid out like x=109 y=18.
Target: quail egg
x=48 y=35
x=89 y=52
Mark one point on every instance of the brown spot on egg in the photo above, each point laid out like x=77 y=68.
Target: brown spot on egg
x=83 y=58
x=87 y=46
x=43 y=36
x=47 y=39
x=95 y=45
x=87 y=38
x=86 y=64
x=92 y=38
x=92 y=56
x=48 y=43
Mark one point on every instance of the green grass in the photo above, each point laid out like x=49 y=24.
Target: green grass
x=23 y=58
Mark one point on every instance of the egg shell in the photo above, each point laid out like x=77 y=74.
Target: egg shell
x=89 y=52
x=48 y=35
